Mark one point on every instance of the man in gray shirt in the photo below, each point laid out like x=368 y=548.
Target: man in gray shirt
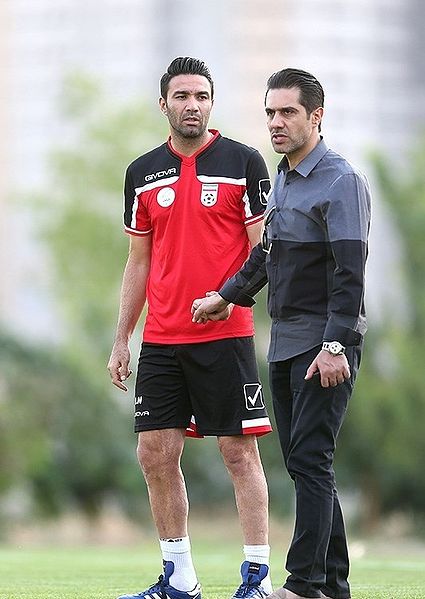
x=313 y=256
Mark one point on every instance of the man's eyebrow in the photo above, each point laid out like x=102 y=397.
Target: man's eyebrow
x=281 y=108
x=188 y=91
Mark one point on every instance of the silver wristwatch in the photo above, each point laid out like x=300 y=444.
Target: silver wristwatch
x=333 y=347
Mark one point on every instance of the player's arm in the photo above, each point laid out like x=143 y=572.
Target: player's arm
x=252 y=277
x=254 y=233
x=132 y=301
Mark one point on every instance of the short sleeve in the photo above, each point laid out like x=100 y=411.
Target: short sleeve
x=136 y=217
x=257 y=188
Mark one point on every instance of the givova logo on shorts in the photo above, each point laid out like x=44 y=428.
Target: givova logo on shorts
x=138 y=402
x=254 y=399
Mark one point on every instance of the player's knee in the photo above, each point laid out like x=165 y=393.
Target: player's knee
x=239 y=455
x=156 y=461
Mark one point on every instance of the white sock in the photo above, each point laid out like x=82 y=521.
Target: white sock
x=260 y=554
x=178 y=551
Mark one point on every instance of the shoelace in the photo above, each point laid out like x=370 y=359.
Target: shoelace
x=248 y=587
x=158 y=587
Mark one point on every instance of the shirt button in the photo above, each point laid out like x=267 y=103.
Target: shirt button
x=274 y=235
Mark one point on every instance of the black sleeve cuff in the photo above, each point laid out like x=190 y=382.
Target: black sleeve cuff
x=235 y=296
x=344 y=335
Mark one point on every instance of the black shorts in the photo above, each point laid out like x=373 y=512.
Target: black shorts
x=208 y=388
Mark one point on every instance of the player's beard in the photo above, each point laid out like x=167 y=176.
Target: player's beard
x=190 y=131
x=185 y=130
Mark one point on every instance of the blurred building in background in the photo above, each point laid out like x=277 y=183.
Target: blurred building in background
x=369 y=55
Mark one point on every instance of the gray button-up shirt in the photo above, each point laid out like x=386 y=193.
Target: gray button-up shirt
x=317 y=234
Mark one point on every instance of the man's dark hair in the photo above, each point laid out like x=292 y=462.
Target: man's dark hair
x=185 y=65
x=311 y=92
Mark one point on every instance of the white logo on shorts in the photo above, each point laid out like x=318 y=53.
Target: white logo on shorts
x=138 y=402
x=166 y=197
x=254 y=396
x=209 y=194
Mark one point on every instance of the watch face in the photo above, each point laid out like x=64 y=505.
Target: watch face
x=335 y=347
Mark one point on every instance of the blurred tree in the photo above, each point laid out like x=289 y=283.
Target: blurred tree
x=382 y=443
x=63 y=443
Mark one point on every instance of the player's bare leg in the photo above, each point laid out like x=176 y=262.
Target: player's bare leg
x=242 y=459
x=159 y=453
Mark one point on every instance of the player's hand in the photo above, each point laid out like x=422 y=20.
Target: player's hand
x=333 y=370
x=118 y=364
x=211 y=307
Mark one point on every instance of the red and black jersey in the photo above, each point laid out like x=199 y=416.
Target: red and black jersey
x=197 y=209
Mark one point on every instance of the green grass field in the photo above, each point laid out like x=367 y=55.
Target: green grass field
x=105 y=572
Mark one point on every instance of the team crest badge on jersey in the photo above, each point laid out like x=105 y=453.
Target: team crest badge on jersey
x=253 y=396
x=166 y=197
x=209 y=194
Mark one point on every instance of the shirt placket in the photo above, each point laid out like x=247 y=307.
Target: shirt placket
x=283 y=182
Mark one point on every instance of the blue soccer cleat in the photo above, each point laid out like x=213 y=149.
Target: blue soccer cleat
x=163 y=590
x=252 y=575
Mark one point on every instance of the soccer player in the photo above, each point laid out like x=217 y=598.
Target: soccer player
x=193 y=208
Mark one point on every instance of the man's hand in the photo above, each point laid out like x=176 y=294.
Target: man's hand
x=333 y=370
x=118 y=364
x=211 y=307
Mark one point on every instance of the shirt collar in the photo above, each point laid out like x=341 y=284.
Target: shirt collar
x=190 y=159
x=308 y=163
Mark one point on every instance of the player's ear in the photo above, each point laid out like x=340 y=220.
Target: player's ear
x=163 y=105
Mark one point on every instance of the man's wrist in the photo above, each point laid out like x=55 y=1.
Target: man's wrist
x=335 y=348
x=223 y=302
x=122 y=338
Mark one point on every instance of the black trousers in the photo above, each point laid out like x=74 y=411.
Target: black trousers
x=308 y=418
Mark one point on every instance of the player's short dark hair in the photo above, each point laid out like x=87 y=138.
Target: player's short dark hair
x=312 y=95
x=185 y=65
